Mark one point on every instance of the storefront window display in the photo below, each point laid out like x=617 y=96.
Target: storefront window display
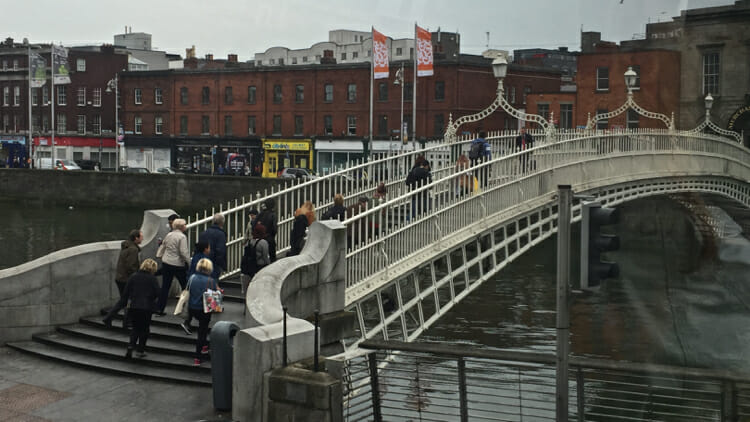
x=286 y=153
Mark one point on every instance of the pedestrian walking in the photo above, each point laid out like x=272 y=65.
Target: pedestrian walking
x=256 y=256
x=199 y=283
x=128 y=263
x=524 y=141
x=216 y=237
x=252 y=216
x=481 y=152
x=141 y=293
x=304 y=216
x=337 y=210
x=418 y=177
x=175 y=259
x=268 y=218
x=202 y=250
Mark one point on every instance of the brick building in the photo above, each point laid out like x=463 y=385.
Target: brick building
x=274 y=117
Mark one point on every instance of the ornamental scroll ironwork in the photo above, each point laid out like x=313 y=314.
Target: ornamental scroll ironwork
x=500 y=102
x=707 y=123
x=630 y=103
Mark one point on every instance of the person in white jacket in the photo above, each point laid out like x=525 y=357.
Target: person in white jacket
x=175 y=258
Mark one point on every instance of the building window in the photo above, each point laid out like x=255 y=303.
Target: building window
x=351 y=93
x=81 y=129
x=281 y=62
x=228 y=95
x=6 y=118
x=343 y=56
x=542 y=109
x=439 y=91
x=45 y=95
x=383 y=91
x=96 y=124
x=439 y=125
x=16 y=95
x=637 y=70
x=15 y=64
x=138 y=96
x=351 y=125
x=251 y=125
x=355 y=54
x=183 y=95
x=205 y=125
x=408 y=91
x=399 y=51
x=328 y=124
x=97 y=97
x=45 y=123
x=35 y=123
x=382 y=125
x=604 y=123
x=6 y=95
x=566 y=116
x=512 y=95
x=277 y=94
x=602 y=79
x=206 y=95
x=277 y=124
x=299 y=93
x=299 y=125
x=183 y=125
x=272 y=61
x=138 y=125
x=158 y=98
x=294 y=60
x=34 y=96
x=62 y=123
x=251 y=94
x=81 y=95
x=304 y=59
x=526 y=92
x=228 y=125
x=328 y=93
x=632 y=119
x=62 y=95
x=711 y=73
x=81 y=65
x=158 y=125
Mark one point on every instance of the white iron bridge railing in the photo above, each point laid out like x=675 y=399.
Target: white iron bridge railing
x=387 y=238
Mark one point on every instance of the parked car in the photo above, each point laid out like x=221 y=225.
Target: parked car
x=60 y=164
x=297 y=173
x=88 y=165
x=165 y=170
x=136 y=170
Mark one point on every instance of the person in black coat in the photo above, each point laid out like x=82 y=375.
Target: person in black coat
x=216 y=237
x=337 y=211
x=141 y=292
x=524 y=141
x=419 y=176
x=304 y=216
x=267 y=217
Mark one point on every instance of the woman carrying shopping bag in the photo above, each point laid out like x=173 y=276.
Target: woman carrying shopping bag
x=200 y=282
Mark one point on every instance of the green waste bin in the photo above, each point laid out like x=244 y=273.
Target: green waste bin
x=222 y=348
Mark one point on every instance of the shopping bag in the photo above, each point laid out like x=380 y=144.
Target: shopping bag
x=181 y=307
x=213 y=301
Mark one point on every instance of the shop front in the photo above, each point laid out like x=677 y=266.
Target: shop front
x=237 y=156
x=336 y=154
x=97 y=149
x=13 y=151
x=286 y=153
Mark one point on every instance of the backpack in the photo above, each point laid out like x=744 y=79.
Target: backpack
x=477 y=150
x=249 y=262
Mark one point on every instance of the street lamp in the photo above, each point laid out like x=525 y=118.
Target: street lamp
x=500 y=70
x=707 y=123
x=630 y=79
x=400 y=81
x=112 y=86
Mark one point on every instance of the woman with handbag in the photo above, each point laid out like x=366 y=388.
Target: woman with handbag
x=201 y=281
x=141 y=291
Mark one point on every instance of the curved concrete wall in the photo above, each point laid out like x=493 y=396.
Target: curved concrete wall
x=65 y=285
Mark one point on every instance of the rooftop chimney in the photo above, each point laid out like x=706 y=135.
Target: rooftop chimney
x=232 y=58
x=209 y=57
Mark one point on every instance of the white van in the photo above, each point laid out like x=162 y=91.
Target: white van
x=46 y=163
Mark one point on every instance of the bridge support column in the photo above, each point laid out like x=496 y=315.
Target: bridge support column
x=565 y=200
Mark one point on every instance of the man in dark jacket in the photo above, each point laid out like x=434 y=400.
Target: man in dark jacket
x=127 y=265
x=216 y=237
x=267 y=217
x=419 y=176
x=480 y=152
x=524 y=141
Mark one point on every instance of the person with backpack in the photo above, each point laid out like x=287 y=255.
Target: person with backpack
x=480 y=152
x=254 y=257
x=524 y=141
x=268 y=218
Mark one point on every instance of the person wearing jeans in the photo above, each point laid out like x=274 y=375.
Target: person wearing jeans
x=200 y=281
x=175 y=258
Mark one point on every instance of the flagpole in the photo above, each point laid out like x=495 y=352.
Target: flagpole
x=53 y=95
x=414 y=94
x=372 y=78
x=29 y=139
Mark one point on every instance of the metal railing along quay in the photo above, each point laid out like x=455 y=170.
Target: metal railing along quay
x=398 y=381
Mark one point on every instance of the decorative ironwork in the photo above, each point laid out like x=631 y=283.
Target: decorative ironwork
x=630 y=103
x=500 y=102
x=707 y=123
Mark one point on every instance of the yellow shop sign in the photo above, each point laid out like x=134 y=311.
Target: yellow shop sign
x=286 y=145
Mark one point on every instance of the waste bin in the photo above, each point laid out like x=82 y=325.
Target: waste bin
x=222 y=347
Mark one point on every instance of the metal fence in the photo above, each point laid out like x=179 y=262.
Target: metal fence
x=396 y=381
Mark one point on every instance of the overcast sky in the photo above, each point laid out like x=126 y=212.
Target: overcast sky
x=246 y=27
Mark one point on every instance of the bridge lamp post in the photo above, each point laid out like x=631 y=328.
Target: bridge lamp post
x=707 y=123
x=400 y=81
x=112 y=86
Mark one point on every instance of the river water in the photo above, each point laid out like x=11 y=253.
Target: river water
x=675 y=303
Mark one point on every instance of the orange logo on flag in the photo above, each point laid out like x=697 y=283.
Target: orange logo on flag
x=379 y=55
x=424 y=52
